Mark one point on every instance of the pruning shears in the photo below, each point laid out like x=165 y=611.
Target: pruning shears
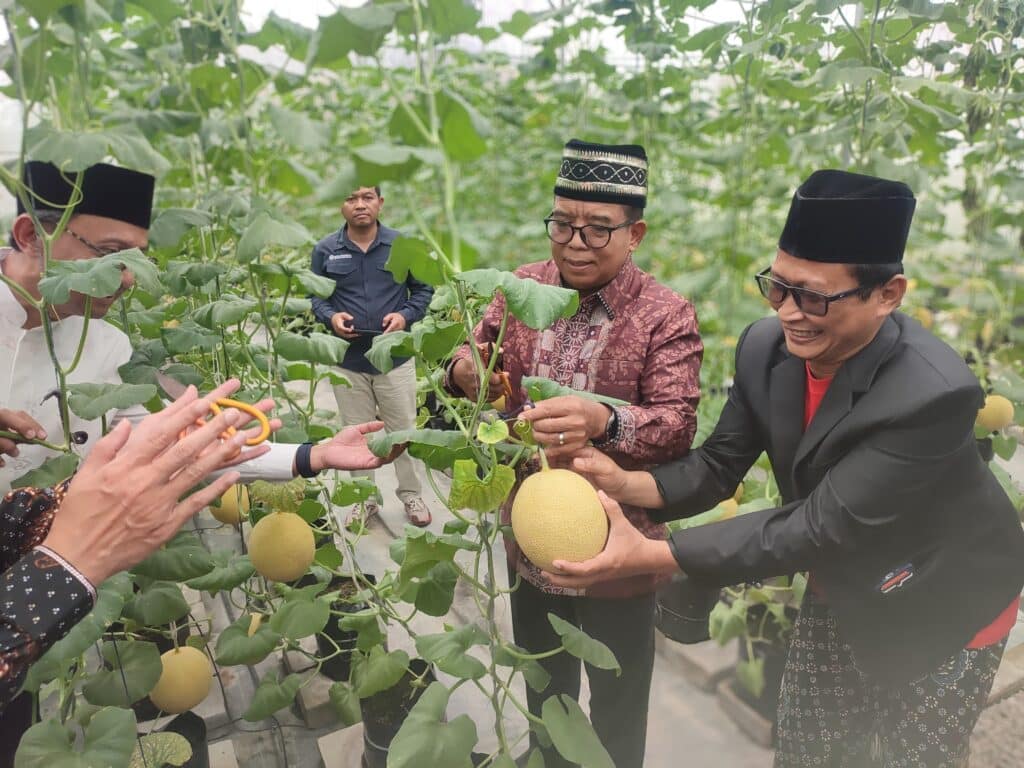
x=175 y=388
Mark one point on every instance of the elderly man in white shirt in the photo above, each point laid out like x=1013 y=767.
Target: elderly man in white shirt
x=112 y=215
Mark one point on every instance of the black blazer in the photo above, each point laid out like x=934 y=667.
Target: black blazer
x=886 y=481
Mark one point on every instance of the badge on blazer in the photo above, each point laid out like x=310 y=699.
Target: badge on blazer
x=896 y=578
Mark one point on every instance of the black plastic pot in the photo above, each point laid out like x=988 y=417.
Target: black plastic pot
x=384 y=712
x=767 y=703
x=339 y=667
x=193 y=728
x=682 y=608
x=774 y=656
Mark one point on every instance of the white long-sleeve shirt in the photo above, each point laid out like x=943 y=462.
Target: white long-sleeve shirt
x=27 y=376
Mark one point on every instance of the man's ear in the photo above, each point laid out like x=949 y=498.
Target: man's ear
x=23 y=231
x=891 y=294
x=637 y=230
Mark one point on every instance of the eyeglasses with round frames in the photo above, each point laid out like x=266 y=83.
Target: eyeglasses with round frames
x=807 y=301
x=593 y=235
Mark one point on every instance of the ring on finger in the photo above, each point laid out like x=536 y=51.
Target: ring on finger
x=561 y=438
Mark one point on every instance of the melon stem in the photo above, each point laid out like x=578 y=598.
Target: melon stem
x=544 y=466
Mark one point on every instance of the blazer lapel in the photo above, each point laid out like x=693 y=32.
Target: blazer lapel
x=786 y=400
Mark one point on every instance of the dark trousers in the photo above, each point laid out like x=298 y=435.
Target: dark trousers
x=831 y=715
x=618 y=705
x=15 y=719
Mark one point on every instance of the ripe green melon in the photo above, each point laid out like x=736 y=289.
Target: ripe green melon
x=281 y=546
x=184 y=681
x=557 y=516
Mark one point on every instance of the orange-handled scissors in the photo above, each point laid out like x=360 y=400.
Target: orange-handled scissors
x=176 y=389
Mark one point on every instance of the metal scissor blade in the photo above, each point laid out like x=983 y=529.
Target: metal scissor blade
x=172 y=387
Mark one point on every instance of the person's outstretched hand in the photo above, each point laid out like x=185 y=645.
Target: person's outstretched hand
x=17 y=423
x=132 y=492
x=348 y=450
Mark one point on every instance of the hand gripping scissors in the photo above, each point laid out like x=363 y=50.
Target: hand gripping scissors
x=176 y=389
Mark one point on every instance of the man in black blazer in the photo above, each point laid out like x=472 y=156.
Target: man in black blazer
x=915 y=553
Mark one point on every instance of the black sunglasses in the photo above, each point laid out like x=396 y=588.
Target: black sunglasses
x=807 y=301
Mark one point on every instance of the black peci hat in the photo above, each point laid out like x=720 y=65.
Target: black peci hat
x=603 y=173
x=848 y=218
x=107 y=190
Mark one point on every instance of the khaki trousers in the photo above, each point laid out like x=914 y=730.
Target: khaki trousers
x=391 y=398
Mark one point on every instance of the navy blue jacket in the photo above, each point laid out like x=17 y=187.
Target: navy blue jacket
x=366 y=290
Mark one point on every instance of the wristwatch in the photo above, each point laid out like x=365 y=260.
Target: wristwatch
x=611 y=429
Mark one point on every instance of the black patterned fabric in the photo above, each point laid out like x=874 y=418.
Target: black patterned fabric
x=603 y=173
x=832 y=715
x=40 y=601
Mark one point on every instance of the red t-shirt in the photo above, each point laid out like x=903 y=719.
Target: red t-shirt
x=814 y=393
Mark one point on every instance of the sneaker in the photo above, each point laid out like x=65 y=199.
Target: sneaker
x=417 y=512
x=363 y=512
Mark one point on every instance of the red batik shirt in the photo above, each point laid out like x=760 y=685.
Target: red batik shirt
x=634 y=340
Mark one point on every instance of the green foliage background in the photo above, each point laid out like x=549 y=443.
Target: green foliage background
x=253 y=159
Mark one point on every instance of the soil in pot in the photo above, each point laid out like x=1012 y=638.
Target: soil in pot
x=682 y=608
x=384 y=712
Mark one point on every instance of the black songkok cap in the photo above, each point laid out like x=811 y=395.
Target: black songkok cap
x=108 y=191
x=603 y=173
x=848 y=218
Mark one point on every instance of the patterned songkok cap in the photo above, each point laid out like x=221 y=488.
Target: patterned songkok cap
x=603 y=173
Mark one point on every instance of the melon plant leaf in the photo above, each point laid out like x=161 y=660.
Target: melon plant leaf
x=159 y=603
x=230 y=570
x=54 y=470
x=317 y=347
x=750 y=673
x=235 y=646
x=271 y=695
x=572 y=733
x=300 y=618
x=266 y=230
x=91 y=401
x=161 y=749
x=345 y=702
x=387 y=346
x=582 y=646
x=182 y=558
x=140 y=664
x=448 y=650
x=537 y=305
x=425 y=737
x=436 y=591
x=378 y=671
x=410 y=254
x=470 y=492
x=109 y=740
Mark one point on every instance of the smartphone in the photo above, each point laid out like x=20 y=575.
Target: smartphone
x=367 y=332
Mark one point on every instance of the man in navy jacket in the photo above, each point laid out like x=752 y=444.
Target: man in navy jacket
x=367 y=301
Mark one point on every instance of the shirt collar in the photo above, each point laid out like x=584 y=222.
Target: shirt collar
x=617 y=294
x=385 y=236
